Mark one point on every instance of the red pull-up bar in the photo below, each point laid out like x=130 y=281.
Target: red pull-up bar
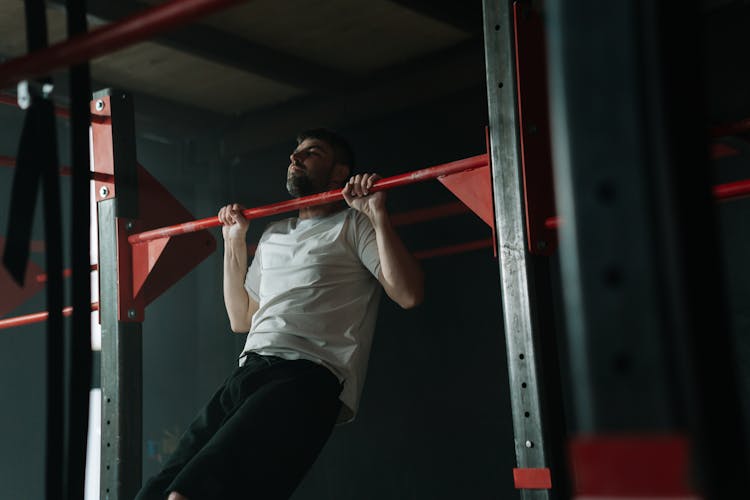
x=316 y=199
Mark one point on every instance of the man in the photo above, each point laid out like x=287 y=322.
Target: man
x=309 y=301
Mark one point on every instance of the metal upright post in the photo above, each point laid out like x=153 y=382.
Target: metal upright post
x=652 y=370
x=121 y=359
x=532 y=475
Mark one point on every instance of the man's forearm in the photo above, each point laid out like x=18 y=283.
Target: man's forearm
x=402 y=276
x=236 y=298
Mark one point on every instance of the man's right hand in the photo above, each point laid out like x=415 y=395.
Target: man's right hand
x=234 y=224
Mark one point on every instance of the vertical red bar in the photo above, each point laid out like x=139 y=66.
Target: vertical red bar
x=104 y=174
x=533 y=117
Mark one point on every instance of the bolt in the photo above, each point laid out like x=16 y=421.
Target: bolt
x=541 y=244
x=99 y=105
x=103 y=191
x=130 y=225
x=131 y=313
x=529 y=444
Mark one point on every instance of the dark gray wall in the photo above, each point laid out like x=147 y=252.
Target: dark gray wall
x=434 y=421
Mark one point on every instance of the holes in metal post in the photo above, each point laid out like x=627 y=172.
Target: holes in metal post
x=606 y=192
x=521 y=356
x=622 y=363
x=612 y=276
x=523 y=385
x=497 y=27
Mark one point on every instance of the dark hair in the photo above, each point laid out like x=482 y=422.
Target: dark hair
x=342 y=152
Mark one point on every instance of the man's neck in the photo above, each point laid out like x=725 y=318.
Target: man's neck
x=321 y=210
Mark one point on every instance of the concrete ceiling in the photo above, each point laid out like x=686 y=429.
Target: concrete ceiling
x=266 y=67
x=266 y=57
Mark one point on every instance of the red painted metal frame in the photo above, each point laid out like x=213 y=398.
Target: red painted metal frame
x=720 y=150
x=13 y=101
x=474 y=188
x=534 y=133
x=722 y=192
x=631 y=466
x=454 y=249
x=424 y=215
x=158 y=264
x=532 y=478
x=732 y=190
x=103 y=163
x=109 y=38
x=429 y=213
x=67 y=273
x=9 y=161
x=729 y=129
x=39 y=317
x=316 y=199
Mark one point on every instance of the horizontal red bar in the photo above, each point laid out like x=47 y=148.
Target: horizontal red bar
x=721 y=192
x=9 y=161
x=316 y=199
x=732 y=190
x=635 y=466
x=430 y=213
x=13 y=101
x=423 y=215
x=109 y=38
x=727 y=129
x=532 y=478
x=719 y=150
x=39 y=317
x=453 y=249
x=67 y=273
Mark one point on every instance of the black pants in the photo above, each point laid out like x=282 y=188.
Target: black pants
x=257 y=436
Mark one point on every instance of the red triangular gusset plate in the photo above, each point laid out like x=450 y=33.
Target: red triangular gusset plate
x=159 y=264
x=474 y=189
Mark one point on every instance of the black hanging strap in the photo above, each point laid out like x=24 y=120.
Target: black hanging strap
x=79 y=339
x=37 y=160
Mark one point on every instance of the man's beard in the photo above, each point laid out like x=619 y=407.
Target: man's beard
x=299 y=185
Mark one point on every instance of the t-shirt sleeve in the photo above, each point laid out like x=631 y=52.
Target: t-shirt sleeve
x=252 y=278
x=365 y=243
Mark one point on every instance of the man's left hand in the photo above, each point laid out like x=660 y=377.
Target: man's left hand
x=358 y=196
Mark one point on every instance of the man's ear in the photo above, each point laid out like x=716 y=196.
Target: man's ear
x=340 y=173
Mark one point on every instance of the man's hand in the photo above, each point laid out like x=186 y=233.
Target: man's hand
x=358 y=196
x=234 y=224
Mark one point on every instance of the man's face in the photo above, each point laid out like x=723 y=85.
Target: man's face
x=310 y=169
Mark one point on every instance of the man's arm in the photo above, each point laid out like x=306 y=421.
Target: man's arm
x=400 y=273
x=240 y=306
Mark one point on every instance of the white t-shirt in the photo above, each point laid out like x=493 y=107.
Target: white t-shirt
x=315 y=281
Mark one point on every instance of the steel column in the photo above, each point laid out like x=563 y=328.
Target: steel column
x=515 y=266
x=121 y=358
x=121 y=374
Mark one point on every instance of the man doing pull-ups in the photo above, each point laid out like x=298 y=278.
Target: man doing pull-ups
x=309 y=302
